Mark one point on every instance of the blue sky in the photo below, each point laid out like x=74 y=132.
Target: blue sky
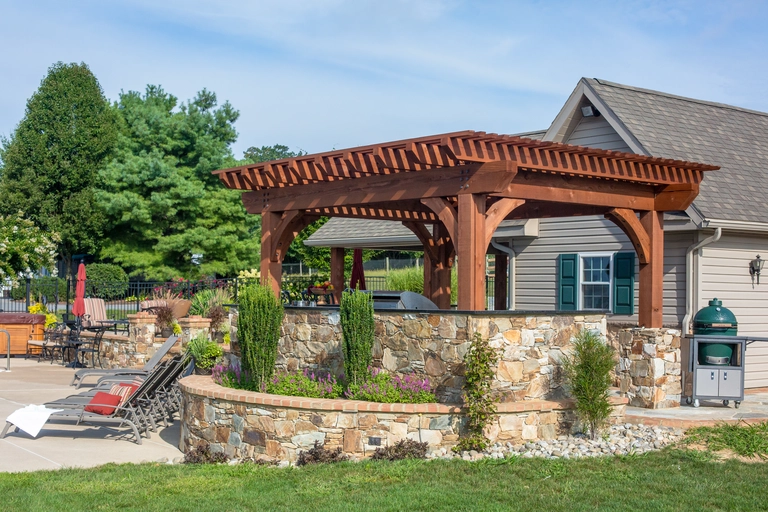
x=322 y=74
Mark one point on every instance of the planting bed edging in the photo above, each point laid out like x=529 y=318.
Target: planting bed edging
x=246 y=424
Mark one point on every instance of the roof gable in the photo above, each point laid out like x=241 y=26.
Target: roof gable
x=668 y=126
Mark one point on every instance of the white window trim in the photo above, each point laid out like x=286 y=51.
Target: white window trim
x=580 y=297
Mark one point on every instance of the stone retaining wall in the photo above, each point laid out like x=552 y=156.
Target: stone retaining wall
x=649 y=369
x=433 y=345
x=246 y=424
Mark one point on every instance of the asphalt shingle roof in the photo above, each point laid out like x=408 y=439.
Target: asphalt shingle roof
x=734 y=138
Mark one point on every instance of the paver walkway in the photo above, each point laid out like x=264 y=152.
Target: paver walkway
x=66 y=445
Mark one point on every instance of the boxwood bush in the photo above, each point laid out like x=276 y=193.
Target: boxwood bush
x=105 y=281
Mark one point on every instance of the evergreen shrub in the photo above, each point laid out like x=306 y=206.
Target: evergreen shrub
x=105 y=281
x=357 y=330
x=258 y=329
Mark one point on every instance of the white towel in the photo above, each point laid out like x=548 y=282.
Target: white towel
x=31 y=418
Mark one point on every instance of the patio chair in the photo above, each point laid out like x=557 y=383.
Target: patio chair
x=91 y=346
x=81 y=375
x=49 y=345
x=96 y=316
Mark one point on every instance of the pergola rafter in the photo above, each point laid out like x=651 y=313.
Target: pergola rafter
x=465 y=184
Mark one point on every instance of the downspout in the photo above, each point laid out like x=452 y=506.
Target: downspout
x=689 y=276
x=510 y=271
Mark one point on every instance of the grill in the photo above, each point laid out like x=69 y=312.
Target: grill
x=401 y=300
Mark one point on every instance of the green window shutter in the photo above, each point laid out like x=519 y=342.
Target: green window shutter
x=568 y=282
x=624 y=283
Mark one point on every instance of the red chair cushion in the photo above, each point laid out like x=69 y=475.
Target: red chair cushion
x=106 y=403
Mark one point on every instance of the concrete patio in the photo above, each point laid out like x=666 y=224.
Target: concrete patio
x=66 y=445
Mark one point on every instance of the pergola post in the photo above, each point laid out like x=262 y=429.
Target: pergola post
x=271 y=265
x=337 y=272
x=652 y=273
x=471 y=251
x=500 y=283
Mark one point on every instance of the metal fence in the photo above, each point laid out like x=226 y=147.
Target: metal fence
x=124 y=298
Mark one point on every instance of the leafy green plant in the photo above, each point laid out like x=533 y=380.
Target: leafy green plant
x=383 y=387
x=258 y=329
x=744 y=439
x=357 y=330
x=403 y=449
x=588 y=376
x=105 y=281
x=306 y=383
x=164 y=318
x=479 y=402
x=204 y=351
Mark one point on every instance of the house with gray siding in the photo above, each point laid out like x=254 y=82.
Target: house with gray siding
x=584 y=262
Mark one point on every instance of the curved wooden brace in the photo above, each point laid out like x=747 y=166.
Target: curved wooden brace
x=627 y=220
x=446 y=213
x=497 y=213
x=424 y=236
x=290 y=225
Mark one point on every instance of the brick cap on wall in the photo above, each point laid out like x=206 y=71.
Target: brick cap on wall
x=203 y=385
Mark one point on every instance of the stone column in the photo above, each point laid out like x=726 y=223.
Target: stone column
x=191 y=326
x=649 y=370
x=141 y=337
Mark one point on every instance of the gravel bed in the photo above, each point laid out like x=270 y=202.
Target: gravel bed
x=618 y=440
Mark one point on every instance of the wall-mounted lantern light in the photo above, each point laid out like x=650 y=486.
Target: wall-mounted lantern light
x=755 y=267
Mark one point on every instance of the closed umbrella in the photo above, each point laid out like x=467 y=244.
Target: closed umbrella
x=78 y=309
x=357 y=281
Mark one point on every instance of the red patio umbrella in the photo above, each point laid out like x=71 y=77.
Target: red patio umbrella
x=78 y=308
x=358 y=273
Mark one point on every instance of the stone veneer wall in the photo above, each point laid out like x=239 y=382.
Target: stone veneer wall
x=433 y=344
x=246 y=424
x=141 y=343
x=649 y=369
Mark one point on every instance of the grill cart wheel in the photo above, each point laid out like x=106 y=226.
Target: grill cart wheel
x=725 y=403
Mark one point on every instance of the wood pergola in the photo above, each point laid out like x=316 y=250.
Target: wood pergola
x=464 y=184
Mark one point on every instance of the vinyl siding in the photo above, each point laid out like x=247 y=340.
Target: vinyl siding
x=596 y=132
x=725 y=275
x=536 y=262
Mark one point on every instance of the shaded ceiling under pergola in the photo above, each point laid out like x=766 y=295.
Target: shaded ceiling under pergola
x=465 y=184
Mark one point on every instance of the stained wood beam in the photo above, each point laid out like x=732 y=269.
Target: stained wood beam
x=576 y=190
x=466 y=179
x=405 y=211
x=271 y=269
x=425 y=237
x=627 y=220
x=471 y=252
x=337 y=272
x=676 y=197
x=651 y=284
x=546 y=210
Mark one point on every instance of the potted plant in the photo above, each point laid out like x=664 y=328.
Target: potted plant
x=204 y=352
x=164 y=321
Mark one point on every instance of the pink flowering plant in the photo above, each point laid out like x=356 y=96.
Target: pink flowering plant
x=308 y=383
x=391 y=389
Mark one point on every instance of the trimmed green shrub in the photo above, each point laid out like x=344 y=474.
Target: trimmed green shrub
x=588 y=375
x=357 y=331
x=258 y=331
x=204 y=351
x=105 y=281
x=478 y=396
x=39 y=286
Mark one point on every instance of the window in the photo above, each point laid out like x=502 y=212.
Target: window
x=597 y=282
x=596 y=272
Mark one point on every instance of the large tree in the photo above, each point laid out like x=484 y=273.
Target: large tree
x=49 y=166
x=163 y=204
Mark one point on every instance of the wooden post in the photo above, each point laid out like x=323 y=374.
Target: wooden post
x=271 y=265
x=337 y=272
x=500 y=283
x=430 y=267
x=471 y=251
x=652 y=273
x=441 y=275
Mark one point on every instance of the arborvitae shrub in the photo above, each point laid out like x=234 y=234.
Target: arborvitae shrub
x=357 y=328
x=258 y=331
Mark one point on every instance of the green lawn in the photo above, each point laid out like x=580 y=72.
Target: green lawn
x=669 y=480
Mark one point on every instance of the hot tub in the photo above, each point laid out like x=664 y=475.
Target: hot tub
x=23 y=327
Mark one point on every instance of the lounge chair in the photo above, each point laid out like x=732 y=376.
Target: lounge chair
x=138 y=411
x=81 y=375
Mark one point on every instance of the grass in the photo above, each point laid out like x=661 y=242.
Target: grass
x=743 y=439
x=668 y=480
